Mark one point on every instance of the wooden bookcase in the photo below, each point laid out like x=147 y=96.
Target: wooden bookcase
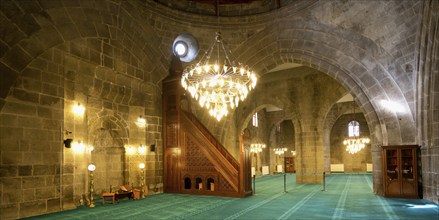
x=400 y=173
x=289 y=165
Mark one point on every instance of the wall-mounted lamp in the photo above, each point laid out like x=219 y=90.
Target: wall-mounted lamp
x=141 y=150
x=141 y=122
x=78 y=109
x=90 y=149
x=91 y=168
x=130 y=150
x=78 y=146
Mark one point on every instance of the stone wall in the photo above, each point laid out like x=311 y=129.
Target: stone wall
x=57 y=62
x=110 y=56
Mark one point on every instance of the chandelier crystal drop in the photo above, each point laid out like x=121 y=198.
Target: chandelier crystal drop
x=280 y=151
x=355 y=144
x=218 y=86
x=257 y=147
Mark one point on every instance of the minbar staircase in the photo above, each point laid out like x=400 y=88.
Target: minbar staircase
x=195 y=135
x=195 y=162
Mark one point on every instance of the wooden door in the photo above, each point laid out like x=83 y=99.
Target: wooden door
x=172 y=171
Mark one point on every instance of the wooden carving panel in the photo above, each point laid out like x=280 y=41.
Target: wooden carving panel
x=171 y=135
x=195 y=159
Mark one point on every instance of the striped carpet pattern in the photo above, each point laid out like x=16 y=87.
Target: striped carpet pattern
x=346 y=196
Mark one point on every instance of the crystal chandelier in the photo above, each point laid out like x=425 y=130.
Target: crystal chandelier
x=218 y=86
x=280 y=151
x=257 y=147
x=355 y=144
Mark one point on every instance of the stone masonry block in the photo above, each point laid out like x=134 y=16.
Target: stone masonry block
x=9 y=211
x=12 y=157
x=52 y=157
x=33 y=182
x=45 y=193
x=8 y=170
x=32 y=208
x=11 y=196
x=25 y=170
x=10 y=58
x=49 y=37
x=44 y=170
x=12 y=183
x=33 y=157
x=53 y=205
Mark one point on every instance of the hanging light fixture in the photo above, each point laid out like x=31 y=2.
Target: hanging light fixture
x=354 y=143
x=280 y=151
x=257 y=147
x=218 y=84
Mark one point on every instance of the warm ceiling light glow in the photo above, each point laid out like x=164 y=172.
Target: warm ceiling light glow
x=218 y=86
x=78 y=109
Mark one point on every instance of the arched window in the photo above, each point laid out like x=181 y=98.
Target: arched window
x=354 y=129
x=255 y=120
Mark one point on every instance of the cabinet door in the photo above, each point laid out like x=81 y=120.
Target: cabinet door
x=407 y=172
x=392 y=175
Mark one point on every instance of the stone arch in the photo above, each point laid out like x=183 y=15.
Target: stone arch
x=337 y=110
x=109 y=134
x=50 y=28
x=356 y=67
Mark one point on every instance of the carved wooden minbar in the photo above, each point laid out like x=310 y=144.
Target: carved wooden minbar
x=195 y=162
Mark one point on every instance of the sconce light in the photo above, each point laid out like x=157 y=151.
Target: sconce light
x=90 y=149
x=78 y=147
x=67 y=142
x=141 y=122
x=141 y=150
x=91 y=168
x=293 y=152
x=78 y=109
x=130 y=150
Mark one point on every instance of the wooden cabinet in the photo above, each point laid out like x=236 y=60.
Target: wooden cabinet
x=289 y=165
x=400 y=174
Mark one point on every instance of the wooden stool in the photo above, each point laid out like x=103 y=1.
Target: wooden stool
x=108 y=195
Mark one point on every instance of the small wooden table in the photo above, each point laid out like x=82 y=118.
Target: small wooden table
x=137 y=193
x=108 y=195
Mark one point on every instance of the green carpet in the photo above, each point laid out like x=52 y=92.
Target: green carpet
x=347 y=196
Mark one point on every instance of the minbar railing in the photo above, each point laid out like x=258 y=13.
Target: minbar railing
x=227 y=164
